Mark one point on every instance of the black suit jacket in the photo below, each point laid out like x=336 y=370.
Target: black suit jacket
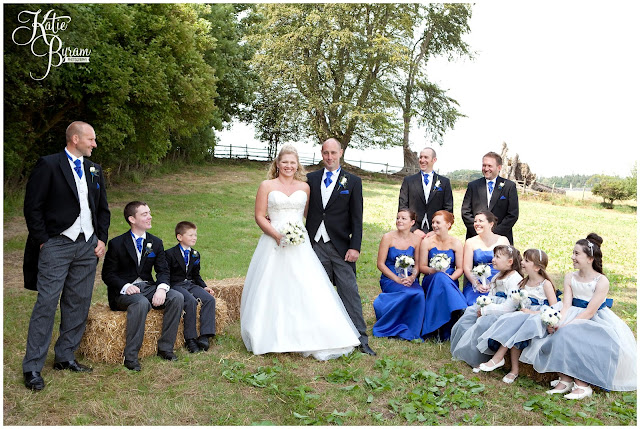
x=343 y=214
x=503 y=204
x=178 y=271
x=121 y=264
x=412 y=197
x=51 y=205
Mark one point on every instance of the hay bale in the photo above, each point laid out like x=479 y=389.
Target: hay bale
x=105 y=335
x=230 y=290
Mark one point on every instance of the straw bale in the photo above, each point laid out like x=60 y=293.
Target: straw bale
x=230 y=290
x=105 y=335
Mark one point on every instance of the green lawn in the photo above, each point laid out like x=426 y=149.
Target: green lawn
x=407 y=383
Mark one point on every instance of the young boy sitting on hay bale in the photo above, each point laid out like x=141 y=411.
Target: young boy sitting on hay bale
x=184 y=268
x=131 y=288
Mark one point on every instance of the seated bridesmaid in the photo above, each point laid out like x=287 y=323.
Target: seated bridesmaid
x=479 y=250
x=444 y=300
x=400 y=307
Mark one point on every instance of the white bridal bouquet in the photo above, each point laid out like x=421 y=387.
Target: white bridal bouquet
x=483 y=301
x=481 y=271
x=293 y=234
x=440 y=262
x=521 y=298
x=550 y=317
x=404 y=265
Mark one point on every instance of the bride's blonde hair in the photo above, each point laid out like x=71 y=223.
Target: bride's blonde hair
x=300 y=174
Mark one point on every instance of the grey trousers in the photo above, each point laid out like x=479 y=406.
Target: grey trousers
x=137 y=307
x=66 y=272
x=192 y=293
x=342 y=275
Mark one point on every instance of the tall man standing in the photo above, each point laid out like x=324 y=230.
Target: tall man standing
x=334 y=224
x=492 y=192
x=67 y=215
x=426 y=192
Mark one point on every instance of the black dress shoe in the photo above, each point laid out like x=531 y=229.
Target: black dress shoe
x=364 y=348
x=192 y=346
x=167 y=355
x=33 y=380
x=203 y=342
x=133 y=365
x=72 y=365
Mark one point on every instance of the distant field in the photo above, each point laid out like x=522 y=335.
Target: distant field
x=407 y=383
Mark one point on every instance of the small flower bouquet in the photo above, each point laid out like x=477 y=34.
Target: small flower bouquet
x=481 y=271
x=521 y=298
x=483 y=301
x=293 y=234
x=550 y=317
x=404 y=265
x=440 y=262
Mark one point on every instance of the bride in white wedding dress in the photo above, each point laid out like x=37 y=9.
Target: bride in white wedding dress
x=288 y=302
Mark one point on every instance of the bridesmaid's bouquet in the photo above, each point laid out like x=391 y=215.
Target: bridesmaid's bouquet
x=521 y=298
x=404 y=265
x=483 y=301
x=550 y=317
x=481 y=271
x=293 y=234
x=440 y=262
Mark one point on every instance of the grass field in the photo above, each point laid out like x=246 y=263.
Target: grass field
x=407 y=383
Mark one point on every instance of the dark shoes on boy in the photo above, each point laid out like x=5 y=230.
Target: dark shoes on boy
x=192 y=345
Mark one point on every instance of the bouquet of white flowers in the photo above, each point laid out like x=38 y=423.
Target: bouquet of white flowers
x=404 y=265
x=550 y=317
x=440 y=262
x=521 y=298
x=481 y=271
x=483 y=300
x=293 y=234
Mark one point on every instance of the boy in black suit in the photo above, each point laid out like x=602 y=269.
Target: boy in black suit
x=131 y=288
x=184 y=271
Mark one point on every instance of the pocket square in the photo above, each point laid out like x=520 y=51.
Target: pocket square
x=502 y=197
x=196 y=262
x=98 y=186
x=151 y=255
x=438 y=189
x=345 y=192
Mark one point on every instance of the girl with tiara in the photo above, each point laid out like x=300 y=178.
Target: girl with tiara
x=477 y=319
x=514 y=330
x=591 y=345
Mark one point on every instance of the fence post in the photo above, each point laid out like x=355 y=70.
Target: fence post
x=583 y=189
x=246 y=150
x=314 y=159
x=360 y=164
x=230 y=146
x=386 y=170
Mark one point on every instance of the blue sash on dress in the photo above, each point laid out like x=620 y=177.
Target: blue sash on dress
x=577 y=302
x=501 y=295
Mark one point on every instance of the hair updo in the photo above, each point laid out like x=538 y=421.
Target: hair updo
x=448 y=216
x=411 y=213
x=591 y=247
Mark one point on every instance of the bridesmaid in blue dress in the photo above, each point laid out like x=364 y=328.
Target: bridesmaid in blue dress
x=479 y=250
x=400 y=307
x=444 y=300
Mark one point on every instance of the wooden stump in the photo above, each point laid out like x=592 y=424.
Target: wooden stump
x=105 y=335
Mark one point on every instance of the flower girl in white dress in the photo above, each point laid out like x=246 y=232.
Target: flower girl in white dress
x=288 y=303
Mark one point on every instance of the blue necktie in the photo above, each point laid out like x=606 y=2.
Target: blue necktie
x=490 y=184
x=327 y=180
x=186 y=256
x=426 y=179
x=139 y=244
x=78 y=168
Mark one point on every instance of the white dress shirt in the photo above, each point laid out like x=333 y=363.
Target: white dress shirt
x=325 y=192
x=427 y=191
x=494 y=189
x=83 y=223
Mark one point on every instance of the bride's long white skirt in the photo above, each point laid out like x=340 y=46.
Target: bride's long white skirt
x=290 y=305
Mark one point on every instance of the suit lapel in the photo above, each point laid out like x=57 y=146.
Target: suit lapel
x=336 y=188
x=419 y=188
x=68 y=173
x=191 y=259
x=497 y=192
x=131 y=249
x=432 y=191
x=86 y=167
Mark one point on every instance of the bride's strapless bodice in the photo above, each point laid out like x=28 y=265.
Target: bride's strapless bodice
x=282 y=208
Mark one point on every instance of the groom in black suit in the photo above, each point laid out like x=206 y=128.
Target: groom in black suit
x=425 y=192
x=493 y=193
x=65 y=206
x=130 y=286
x=334 y=224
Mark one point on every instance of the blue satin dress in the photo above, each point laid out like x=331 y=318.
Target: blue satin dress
x=399 y=309
x=444 y=300
x=479 y=257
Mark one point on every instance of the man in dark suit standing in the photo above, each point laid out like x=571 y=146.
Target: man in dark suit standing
x=67 y=215
x=334 y=224
x=131 y=288
x=426 y=192
x=492 y=192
